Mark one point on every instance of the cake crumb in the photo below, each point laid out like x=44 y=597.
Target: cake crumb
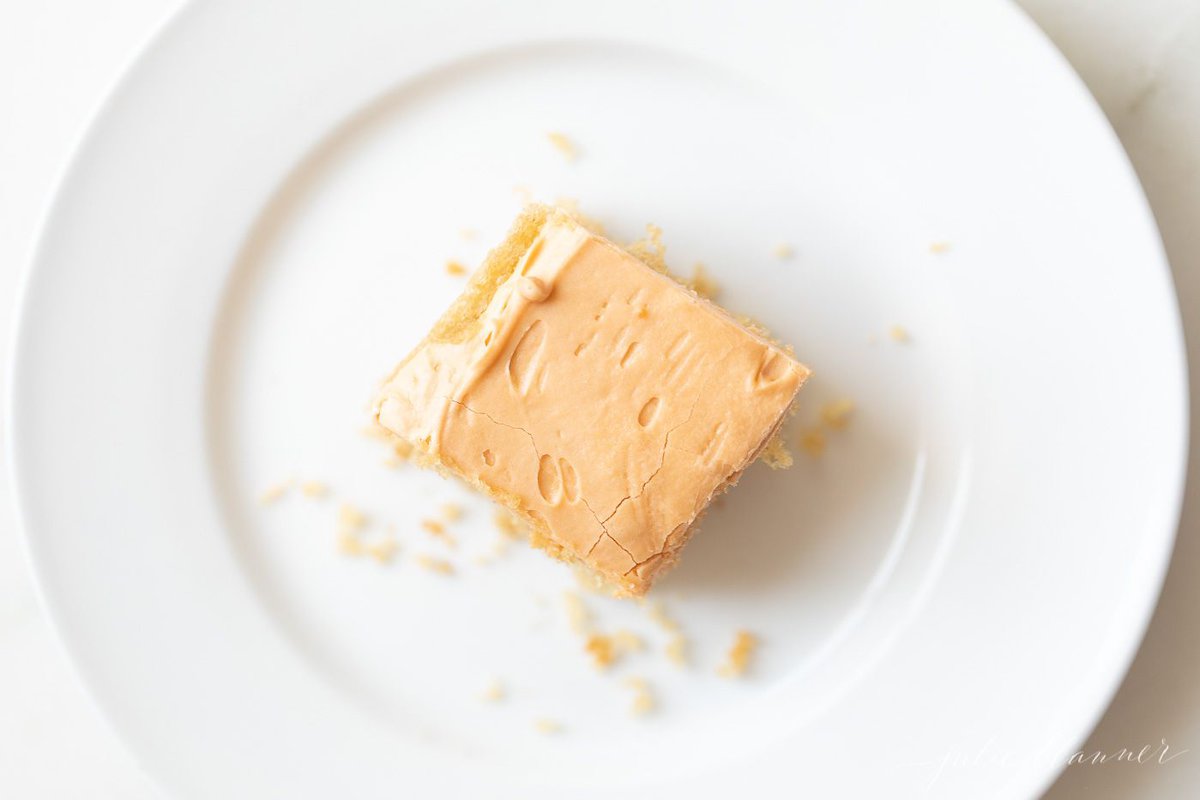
x=274 y=493
x=578 y=615
x=547 y=726
x=494 y=692
x=783 y=251
x=451 y=512
x=563 y=144
x=643 y=698
x=314 y=489
x=455 y=268
x=898 y=333
x=384 y=550
x=702 y=284
x=402 y=450
x=658 y=614
x=350 y=519
x=600 y=648
x=812 y=441
x=737 y=660
x=776 y=454
x=349 y=544
x=626 y=641
x=837 y=414
x=677 y=650
x=350 y=522
x=438 y=531
x=650 y=249
x=937 y=248
x=438 y=565
x=507 y=523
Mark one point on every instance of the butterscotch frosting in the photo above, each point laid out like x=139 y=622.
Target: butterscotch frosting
x=600 y=398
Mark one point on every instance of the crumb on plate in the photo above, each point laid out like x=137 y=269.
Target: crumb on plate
x=658 y=615
x=507 y=523
x=383 y=550
x=626 y=641
x=899 y=333
x=812 y=441
x=600 y=648
x=437 y=565
x=350 y=519
x=776 y=454
x=578 y=615
x=401 y=450
x=563 y=144
x=274 y=492
x=783 y=251
x=494 y=692
x=737 y=660
x=937 y=248
x=837 y=413
x=455 y=268
x=643 y=698
x=314 y=489
x=349 y=544
x=677 y=650
x=547 y=726
x=438 y=531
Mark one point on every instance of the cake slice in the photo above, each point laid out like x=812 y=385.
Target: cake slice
x=602 y=401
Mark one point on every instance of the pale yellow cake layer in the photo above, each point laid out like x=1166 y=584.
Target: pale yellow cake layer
x=599 y=398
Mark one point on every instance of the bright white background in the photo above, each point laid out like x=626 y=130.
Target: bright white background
x=1141 y=58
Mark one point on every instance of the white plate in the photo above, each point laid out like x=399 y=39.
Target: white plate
x=254 y=231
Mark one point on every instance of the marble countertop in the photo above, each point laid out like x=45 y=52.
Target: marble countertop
x=1140 y=58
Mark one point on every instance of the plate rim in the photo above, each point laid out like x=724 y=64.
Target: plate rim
x=1172 y=511
x=1040 y=780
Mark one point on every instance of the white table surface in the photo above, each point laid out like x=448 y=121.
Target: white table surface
x=1140 y=58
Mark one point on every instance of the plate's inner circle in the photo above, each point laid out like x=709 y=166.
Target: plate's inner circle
x=344 y=272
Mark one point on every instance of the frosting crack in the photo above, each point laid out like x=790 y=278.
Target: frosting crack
x=537 y=455
x=466 y=407
x=662 y=459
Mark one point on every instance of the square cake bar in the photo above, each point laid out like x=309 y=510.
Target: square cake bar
x=602 y=401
